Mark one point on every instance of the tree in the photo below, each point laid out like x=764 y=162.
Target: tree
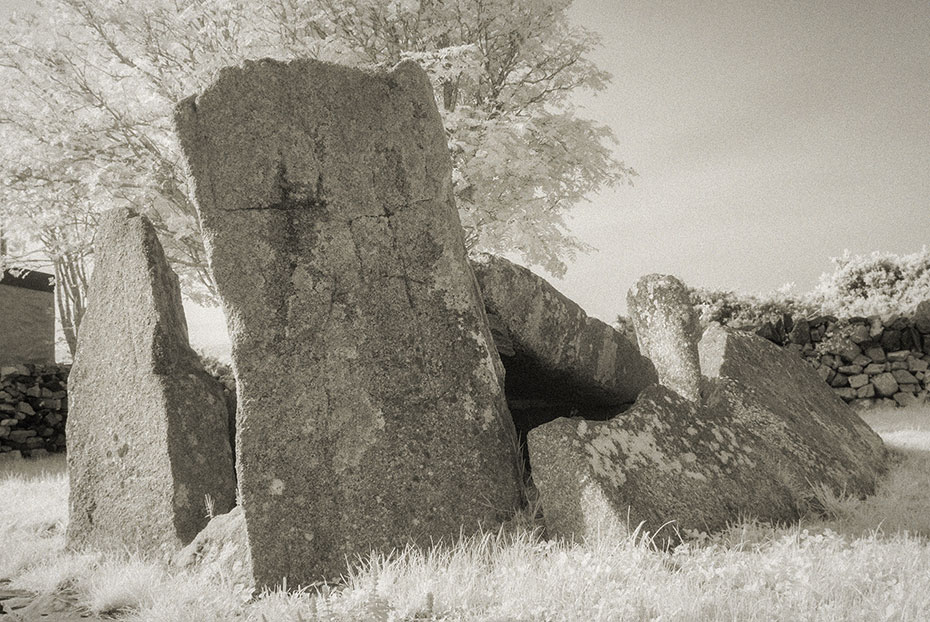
x=86 y=119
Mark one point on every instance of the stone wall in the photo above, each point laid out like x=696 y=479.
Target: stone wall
x=869 y=361
x=34 y=406
x=33 y=409
x=27 y=318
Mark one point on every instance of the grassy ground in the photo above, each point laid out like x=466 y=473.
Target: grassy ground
x=862 y=560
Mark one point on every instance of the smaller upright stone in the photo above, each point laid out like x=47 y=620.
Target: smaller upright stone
x=800 y=333
x=668 y=332
x=146 y=429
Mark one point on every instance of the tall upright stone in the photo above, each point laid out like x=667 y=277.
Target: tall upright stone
x=146 y=430
x=371 y=411
x=668 y=331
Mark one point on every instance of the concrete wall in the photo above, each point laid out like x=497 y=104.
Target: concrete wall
x=27 y=321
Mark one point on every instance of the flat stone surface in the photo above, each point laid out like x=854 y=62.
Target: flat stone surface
x=818 y=438
x=371 y=406
x=899 y=356
x=667 y=462
x=146 y=429
x=874 y=369
x=668 y=331
x=903 y=376
x=859 y=380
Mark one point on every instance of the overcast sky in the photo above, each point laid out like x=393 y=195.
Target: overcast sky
x=768 y=137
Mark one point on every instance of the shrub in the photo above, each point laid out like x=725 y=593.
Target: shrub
x=879 y=283
x=875 y=284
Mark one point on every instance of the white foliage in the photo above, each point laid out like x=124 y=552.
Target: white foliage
x=86 y=121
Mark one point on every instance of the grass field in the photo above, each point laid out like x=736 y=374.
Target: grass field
x=861 y=560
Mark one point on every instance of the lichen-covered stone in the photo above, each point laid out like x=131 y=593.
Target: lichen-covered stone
x=554 y=347
x=668 y=331
x=223 y=548
x=146 y=429
x=667 y=463
x=371 y=407
x=818 y=438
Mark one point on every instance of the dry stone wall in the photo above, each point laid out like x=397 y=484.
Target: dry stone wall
x=867 y=361
x=33 y=409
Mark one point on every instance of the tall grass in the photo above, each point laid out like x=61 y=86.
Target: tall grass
x=861 y=560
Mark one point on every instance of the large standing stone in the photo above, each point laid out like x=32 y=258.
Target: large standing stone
x=666 y=462
x=557 y=358
x=668 y=331
x=147 y=438
x=371 y=410
x=818 y=438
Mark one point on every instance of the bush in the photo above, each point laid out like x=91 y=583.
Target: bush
x=879 y=283
x=743 y=310
x=875 y=284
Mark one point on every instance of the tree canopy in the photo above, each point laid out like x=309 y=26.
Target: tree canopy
x=86 y=122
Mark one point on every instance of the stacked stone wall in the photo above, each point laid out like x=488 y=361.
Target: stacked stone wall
x=33 y=409
x=868 y=361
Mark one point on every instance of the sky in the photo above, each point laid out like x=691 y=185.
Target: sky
x=768 y=137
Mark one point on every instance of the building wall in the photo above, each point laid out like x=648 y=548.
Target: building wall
x=27 y=325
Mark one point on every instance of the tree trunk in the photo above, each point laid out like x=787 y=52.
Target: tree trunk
x=70 y=295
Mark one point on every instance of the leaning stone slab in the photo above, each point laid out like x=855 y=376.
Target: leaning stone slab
x=666 y=463
x=371 y=407
x=146 y=429
x=668 y=331
x=554 y=347
x=820 y=440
